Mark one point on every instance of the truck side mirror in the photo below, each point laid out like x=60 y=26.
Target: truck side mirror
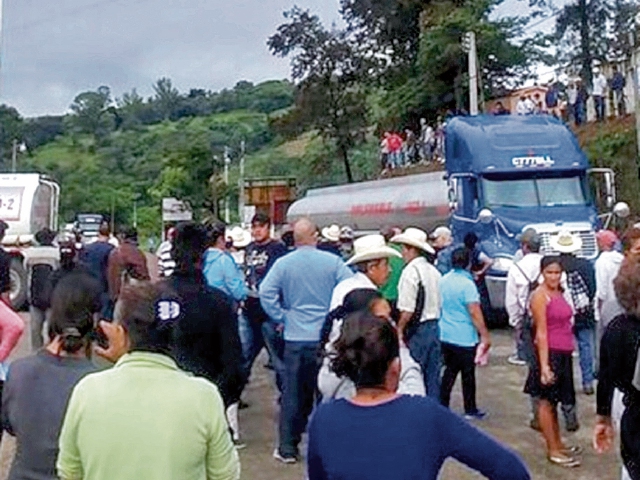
x=453 y=200
x=621 y=210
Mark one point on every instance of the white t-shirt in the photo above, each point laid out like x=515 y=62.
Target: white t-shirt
x=359 y=280
x=419 y=269
x=517 y=289
x=599 y=85
x=607 y=267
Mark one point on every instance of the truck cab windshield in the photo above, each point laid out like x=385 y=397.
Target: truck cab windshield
x=533 y=192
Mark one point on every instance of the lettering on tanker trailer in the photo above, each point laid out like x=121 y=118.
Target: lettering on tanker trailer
x=412 y=208
x=10 y=202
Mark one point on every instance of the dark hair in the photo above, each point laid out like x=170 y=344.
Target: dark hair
x=470 y=240
x=105 y=229
x=365 y=349
x=626 y=286
x=45 y=237
x=629 y=238
x=216 y=231
x=550 y=260
x=460 y=258
x=362 y=267
x=261 y=218
x=148 y=312
x=129 y=233
x=74 y=301
x=189 y=246
x=67 y=254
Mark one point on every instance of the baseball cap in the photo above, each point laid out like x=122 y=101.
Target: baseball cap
x=607 y=238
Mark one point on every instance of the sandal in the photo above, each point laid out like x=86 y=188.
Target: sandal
x=564 y=461
x=572 y=450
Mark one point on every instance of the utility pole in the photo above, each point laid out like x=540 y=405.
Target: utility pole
x=14 y=155
x=227 y=161
x=469 y=44
x=241 y=184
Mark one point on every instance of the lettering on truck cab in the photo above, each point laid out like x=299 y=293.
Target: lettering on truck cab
x=545 y=161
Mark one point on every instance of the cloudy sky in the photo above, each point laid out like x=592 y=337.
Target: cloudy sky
x=54 y=49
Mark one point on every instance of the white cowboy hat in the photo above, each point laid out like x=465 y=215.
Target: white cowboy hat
x=565 y=242
x=240 y=237
x=414 y=237
x=371 y=247
x=331 y=233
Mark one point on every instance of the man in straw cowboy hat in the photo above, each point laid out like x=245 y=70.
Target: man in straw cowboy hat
x=419 y=304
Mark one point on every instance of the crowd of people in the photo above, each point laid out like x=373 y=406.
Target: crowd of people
x=365 y=336
x=569 y=102
x=401 y=150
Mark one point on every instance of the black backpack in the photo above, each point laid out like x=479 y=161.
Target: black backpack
x=414 y=322
x=41 y=285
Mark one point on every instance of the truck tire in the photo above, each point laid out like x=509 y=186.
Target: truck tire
x=19 y=284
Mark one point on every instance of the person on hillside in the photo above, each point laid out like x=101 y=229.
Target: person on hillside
x=581 y=102
x=174 y=426
x=499 y=109
x=127 y=263
x=617 y=83
x=5 y=267
x=379 y=434
x=260 y=256
x=551 y=377
x=427 y=141
x=40 y=265
x=410 y=147
x=552 y=99
x=463 y=333
x=419 y=304
x=38 y=387
x=206 y=340
x=95 y=258
x=296 y=293
x=600 y=86
x=395 y=143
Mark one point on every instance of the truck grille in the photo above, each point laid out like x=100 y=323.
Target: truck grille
x=589 y=246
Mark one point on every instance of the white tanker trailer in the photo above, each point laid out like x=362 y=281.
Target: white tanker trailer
x=413 y=200
x=28 y=203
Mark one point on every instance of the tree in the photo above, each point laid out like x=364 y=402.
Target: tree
x=583 y=23
x=11 y=129
x=330 y=67
x=624 y=13
x=90 y=113
x=167 y=97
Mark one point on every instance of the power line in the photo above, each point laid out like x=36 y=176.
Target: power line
x=541 y=21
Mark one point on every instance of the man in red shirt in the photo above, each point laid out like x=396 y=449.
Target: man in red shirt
x=394 y=143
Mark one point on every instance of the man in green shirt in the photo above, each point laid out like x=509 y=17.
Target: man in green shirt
x=144 y=418
x=390 y=289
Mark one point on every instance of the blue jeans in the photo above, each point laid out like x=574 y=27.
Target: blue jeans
x=586 y=342
x=301 y=367
x=598 y=102
x=252 y=342
x=274 y=343
x=425 y=349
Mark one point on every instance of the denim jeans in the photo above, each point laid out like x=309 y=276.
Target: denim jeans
x=301 y=368
x=252 y=342
x=425 y=349
x=38 y=319
x=274 y=343
x=598 y=102
x=585 y=337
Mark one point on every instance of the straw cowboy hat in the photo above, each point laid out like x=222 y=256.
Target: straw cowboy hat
x=240 y=237
x=331 y=233
x=565 y=242
x=371 y=247
x=414 y=237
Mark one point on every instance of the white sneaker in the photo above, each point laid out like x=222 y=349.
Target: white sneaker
x=515 y=360
x=288 y=460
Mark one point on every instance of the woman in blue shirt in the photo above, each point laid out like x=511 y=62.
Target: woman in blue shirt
x=355 y=439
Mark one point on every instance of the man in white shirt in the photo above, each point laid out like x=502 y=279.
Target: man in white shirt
x=419 y=303
x=607 y=266
x=520 y=276
x=599 y=92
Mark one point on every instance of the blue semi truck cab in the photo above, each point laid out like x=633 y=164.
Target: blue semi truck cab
x=509 y=173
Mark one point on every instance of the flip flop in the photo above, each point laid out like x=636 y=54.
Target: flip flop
x=572 y=450
x=566 y=462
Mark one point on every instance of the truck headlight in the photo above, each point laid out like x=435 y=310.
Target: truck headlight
x=502 y=264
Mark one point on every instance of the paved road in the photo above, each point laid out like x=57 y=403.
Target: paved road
x=499 y=392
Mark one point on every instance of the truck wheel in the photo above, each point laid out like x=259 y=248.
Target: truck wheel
x=18 y=275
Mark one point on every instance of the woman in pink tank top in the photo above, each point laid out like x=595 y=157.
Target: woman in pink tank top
x=551 y=379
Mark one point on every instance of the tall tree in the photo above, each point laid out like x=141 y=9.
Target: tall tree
x=330 y=67
x=90 y=112
x=167 y=97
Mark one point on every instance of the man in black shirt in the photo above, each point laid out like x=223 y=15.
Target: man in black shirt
x=260 y=256
x=5 y=267
x=95 y=258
